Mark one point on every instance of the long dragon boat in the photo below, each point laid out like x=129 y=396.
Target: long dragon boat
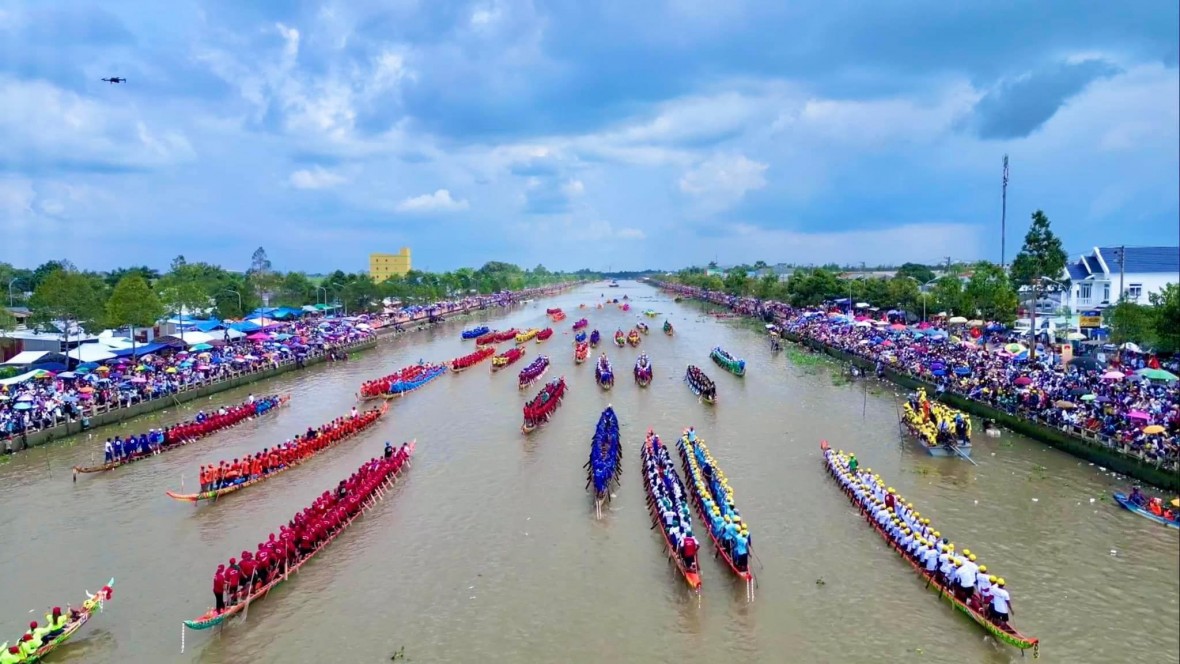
x=533 y=371
x=667 y=508
x=372 y=417
x=558 y=316
x=550 y=312
x=544 y=334
x=595 y=339
x=668 y=328
x=467 y=361
x=213 y=617
x=643 y=371
x=486 y=339
x=475 y=332
x=379 y=388
x=633 y=338
x=714 y=502
x=408 y=384
x=581 y=352
x=527 y=336
x=604 y=375
x=506 y=335
x=580 y=324
x=75 y=619
x=728 y=362
x=851 y=482
x=605 y=464
x=620 y=338
x=190 y=431
x=941 y=430
x=539 y=409
x=700 y=384
x=507 y=357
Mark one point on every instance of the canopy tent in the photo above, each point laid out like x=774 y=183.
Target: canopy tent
x=31 y=357
x=141 y=349
x=91 y=353
x=262 y=322
x=195 y=337
x=28 y=375
x=245 y=326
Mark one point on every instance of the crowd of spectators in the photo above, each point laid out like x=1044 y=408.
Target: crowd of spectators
x=1127 y=399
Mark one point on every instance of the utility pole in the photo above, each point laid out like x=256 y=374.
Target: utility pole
x=1122 y=269
x=1004 y=213
x=1032 y=346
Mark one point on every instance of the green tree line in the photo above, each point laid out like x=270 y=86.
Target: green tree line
x=57 y=291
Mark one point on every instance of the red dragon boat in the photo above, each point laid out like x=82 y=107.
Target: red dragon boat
x=581 y=324
x=489 y=338
x=506 y=335
x=544 y=334
x=541 y=407
x=555 y=310
x=467 y=361
x=376 y=389
x=506 y=358
x=581 y=352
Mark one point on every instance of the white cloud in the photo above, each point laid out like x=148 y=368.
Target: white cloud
x=315 y=178
x=573 y=188
x=630 y=234
x=723 y=179
x=290 y=41
x=439 y=201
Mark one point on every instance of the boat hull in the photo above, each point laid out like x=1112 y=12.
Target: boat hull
x=1125 y=501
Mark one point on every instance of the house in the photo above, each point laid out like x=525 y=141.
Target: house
x=1097 y=277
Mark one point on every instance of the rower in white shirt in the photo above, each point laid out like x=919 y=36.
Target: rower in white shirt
x=1001 y=603
x=983 y=587
x=930 y=558
x=966 y=576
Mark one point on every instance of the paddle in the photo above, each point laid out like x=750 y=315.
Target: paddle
x=961 y=453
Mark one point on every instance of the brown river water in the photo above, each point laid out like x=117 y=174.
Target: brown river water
x=488 y=550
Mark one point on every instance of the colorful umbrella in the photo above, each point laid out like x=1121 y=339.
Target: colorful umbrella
x=1137 y=415
x=1015 y=349
x=1023 y=380
x=1088 y=397
x=1065 y=405
x=1154 y=428
x=957 y=320
x=975 y=323
x=1114 y=375
x=1158 y=374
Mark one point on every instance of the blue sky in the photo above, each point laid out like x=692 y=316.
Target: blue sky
x=575 y=134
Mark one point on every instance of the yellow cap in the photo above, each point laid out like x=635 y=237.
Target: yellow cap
x=971 y=557
x=890 y=489
x=992 y=578
x=966 y=552
x=909 y=505
x=1000 y=582
x=958 y=562
x=937 y=534
x=983 y=568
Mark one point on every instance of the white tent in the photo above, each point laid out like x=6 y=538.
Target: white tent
x=91 y=353
x=26 y=357
x=21 y=378
x=196 y=337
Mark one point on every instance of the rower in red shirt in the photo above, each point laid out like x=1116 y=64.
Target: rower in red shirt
x=219 y=587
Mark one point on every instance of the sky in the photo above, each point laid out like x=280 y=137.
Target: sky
x=606 y=135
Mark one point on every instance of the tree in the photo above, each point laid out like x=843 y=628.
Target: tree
x=921 y=273
x=947 y=295
x=42 y=271
x=1132 y=322
x=185 y=296
x=133 y=303
x=177 y=263
x=7 y=320
x=760 y=265
x=989 y=293
x=113 y=277
x=295 y=290
x=1166 y=306
x=1041 y=257
x=66 y=298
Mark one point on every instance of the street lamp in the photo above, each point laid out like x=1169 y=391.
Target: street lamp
x=10 y=283
x=317 y=295
x=342 y=300
x=230 y=290
x=1032 y=351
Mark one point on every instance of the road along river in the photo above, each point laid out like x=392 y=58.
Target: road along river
x=488 y=551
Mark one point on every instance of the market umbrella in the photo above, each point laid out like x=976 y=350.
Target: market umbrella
x=975 y=323
x=1014 y=348
x=957 y=319
x=1155 y=428
x=1114 y=375
x=22 y=405
x=1065 y=405
x=1158 y=374
x=1023 y=380
x=200 y=347
x=897 y=326
x=1176 y=502
x=170 y=370
x=67 y=374
x=1088 y=397
x=1137 y=415
x=86 y=390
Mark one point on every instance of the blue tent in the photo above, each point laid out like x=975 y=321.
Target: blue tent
x=145 y=349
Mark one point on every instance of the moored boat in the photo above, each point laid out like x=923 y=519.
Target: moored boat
x=475 y=332
x=74 y=620
x=581 y=352
x=544 y=334
x=581 y=324
x=527 y=336
x=633 y=338
x=728 y=362
x=643 y=371
x=669 y=513
x=539 y=409
x=941 y=430
x=533 y=371
x=595 y=339
x=604 y=375
x=1147 y=507
x=189 y=431
x=254 y=468
x=880 y=505
x=714 y=502
x=507 y=357
x=605 y=464
x=383 y=473
x=620 y=338
x=667 y=328
x=700 y=384
x=467 y=361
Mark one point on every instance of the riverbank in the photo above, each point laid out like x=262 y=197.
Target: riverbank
x=1080 y=444
x=109 y=415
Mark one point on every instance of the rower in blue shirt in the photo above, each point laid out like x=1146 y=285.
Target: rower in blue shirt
x=741 y=551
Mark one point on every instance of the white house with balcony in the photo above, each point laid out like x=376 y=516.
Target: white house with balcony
x=1095 y=277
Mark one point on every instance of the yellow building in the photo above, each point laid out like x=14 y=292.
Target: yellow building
x=384 y=266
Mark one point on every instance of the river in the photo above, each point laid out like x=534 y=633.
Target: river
x=488 y=550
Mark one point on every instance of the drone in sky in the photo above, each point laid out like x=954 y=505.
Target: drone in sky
x=114 y=79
